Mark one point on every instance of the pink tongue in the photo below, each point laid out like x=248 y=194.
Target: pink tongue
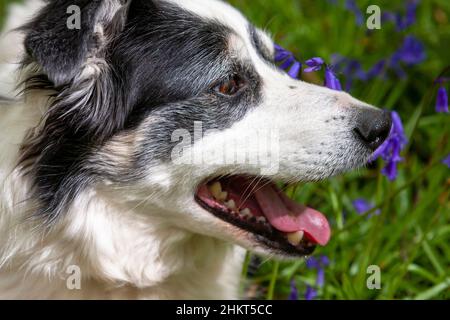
x=288 y=216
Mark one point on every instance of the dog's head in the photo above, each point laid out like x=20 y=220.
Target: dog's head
x=175 y=108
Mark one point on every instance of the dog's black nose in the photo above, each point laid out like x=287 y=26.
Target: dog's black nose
x=373 y=127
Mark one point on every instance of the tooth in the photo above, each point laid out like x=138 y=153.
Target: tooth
x=230 y=204
x=222 y=196
x=246 y=213
x=295 y=238
x=216 y=189
x=261 y=220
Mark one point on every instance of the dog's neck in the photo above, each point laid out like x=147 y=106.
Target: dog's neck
x=106 y=252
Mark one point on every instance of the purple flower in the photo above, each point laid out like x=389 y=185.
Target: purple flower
x=411 y=52
x=312 y=263
x=410 y=18
x=324 y=261
x=377 y=69
x=293 y=295
x=388 y=16
x=294 y=71
x=402 y=22
x=280 y=53
x=319 y=264
x=294 y=67
x=310 y=293
x=446 y=161
x=331 y=81
x=390 y=150
x=314 y=64
x=442 y=100
x=411 y=8
x=320 y=280
x=353 y=7
x=356 y=69
x=353 y=70
x=362 y=206
x=288 y=61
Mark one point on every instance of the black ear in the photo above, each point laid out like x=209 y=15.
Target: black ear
x=61 y=46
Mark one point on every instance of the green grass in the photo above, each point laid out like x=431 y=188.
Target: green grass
x=410 y=239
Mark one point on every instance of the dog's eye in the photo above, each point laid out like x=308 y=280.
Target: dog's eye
x=231 y=86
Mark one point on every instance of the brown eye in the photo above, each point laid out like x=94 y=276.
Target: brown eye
x=231 y=86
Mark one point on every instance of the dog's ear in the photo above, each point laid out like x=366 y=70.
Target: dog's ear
x=68 y=35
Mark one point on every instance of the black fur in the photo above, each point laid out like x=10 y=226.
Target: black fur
x=162 y=61
x=60 y=51
x=262 y=50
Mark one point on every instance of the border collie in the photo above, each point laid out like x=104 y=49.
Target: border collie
x=142 y=152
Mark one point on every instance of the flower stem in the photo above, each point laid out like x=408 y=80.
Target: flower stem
x=426 y=102
x=390 y=197
x=245 y=271
x=273 y=280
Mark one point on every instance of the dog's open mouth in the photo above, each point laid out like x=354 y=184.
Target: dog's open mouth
x=260 y=207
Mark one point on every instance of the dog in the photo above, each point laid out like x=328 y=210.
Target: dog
x=113 y=179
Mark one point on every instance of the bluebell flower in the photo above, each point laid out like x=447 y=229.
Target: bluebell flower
x=281 y=54
x=442 y=100
x=314 y=64
x=310 y=293
x=331 y=81
x=293 y=295
x=362 y=206
x=376 y=70
x=402 y=22
x=353 y=70
x=354 y=67
x=388 y=16
x=324 y=261
x=320 y=280
x=411 y=52
x=288 y=61
x=446 y=161
x=353 y=7
x=295 y=69
x=410 y=18
x=318 y=264
x=390 y=150
x=411 y=8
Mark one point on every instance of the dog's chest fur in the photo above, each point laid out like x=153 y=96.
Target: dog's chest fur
x=136 y=257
